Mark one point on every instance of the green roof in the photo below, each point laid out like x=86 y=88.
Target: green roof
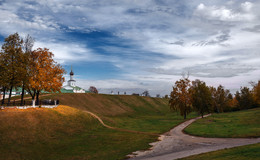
x=63 y=90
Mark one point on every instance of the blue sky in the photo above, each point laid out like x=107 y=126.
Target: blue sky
x=133 y=45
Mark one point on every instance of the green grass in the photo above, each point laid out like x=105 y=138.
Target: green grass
x=128 y=112
x=63 y=133
x=151 y=123
x=68 y=133
x=249 y=152
x=235 y=124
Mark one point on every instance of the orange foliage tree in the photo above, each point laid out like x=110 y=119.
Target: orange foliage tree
x=180 y=99
x=256 y=93
x=93 y=89
x=45 y=73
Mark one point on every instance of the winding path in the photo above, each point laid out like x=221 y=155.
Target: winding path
x=175 y=144
x=119 y=129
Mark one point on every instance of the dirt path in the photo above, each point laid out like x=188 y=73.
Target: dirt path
x=175 y=144
x=119 y=129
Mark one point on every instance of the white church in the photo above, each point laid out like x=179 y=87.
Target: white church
x=71 y=86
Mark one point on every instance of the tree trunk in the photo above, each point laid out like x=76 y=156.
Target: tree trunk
x=37 y=98
x=33 y=99
x=10 y=94
x=184 y=115
x=22 y=96
x=3 y=100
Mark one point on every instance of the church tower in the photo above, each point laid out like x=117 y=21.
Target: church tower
x=71 y=82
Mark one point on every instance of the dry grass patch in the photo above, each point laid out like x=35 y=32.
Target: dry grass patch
x=29 y=125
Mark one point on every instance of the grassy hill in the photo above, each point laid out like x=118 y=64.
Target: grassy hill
x=67 y=132
x=113 y=105
x=129 y=112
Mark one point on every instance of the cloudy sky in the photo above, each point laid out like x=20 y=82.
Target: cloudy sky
x=137 y=45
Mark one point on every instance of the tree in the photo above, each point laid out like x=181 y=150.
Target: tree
x=158 y=95
x=201 y=97
x=221 y=98
x=180 y=99
x=45 y=73
x=4 y=81
x=93 y=89
x=245 y=98
x=256 y=93
x=28 y=43
x=146 y=93
x=12 y=55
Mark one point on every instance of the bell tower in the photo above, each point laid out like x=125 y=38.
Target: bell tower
x=71 y=82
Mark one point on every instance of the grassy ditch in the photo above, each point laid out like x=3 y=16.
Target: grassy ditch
x=234 y=124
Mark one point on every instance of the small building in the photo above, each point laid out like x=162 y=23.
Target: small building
x=71 y=86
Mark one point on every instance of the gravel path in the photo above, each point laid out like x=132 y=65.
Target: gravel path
x=175 y=144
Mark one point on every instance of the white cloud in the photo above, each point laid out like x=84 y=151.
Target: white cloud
x=68 y=52
x=225 y=14
x=247 y=6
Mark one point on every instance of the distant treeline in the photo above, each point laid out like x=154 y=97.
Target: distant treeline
x=188 y=96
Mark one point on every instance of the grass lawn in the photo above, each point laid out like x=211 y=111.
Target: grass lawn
x=148 y=123
x=249 y=152
x=233 y=124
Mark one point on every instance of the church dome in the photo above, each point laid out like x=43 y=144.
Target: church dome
x=71 y=73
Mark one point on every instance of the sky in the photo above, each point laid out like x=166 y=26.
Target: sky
x=136 y=45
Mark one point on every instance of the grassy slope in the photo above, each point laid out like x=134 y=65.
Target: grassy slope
x=249 y=152
x=69 y=133
x=235 y=124
x=129 y=112
x=62 y=133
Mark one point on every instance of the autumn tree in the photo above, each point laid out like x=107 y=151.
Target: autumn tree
x=180 y=98
x=45 y=73
x=28 y=43
x=4 y=81
x=256 y=93
x=221 y=98
x=245 y=98
x=12 y=56
x=201 y=97
x=93 y=89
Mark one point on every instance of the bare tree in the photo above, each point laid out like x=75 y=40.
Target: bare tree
x=28 y=43
x=185 y=75
x=146 y=93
